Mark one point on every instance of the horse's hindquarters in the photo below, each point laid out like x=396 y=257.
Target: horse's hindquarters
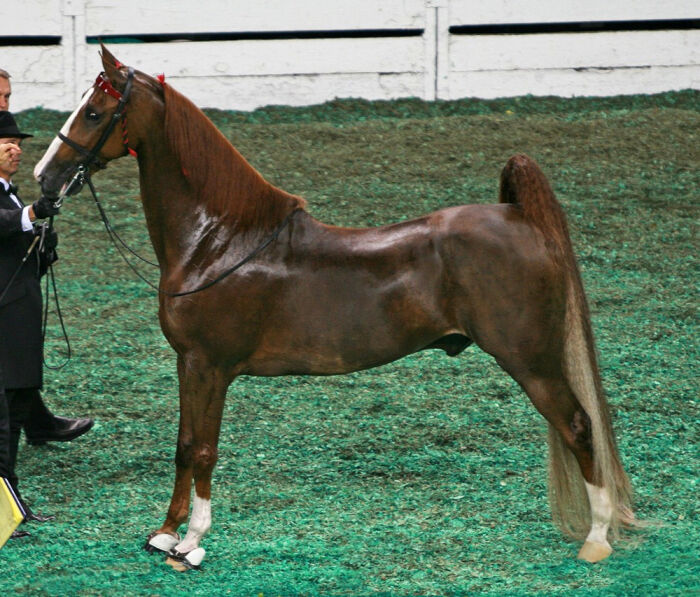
x=505 y=290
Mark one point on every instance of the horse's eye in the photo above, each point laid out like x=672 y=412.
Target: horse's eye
x=92 y=115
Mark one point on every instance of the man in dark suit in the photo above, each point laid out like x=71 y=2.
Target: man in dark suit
x=26 y=251
x=41 y=426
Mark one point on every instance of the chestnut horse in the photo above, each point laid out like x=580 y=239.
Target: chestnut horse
x=251 y=284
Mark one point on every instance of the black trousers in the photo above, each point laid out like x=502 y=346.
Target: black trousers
x=39 y=417
x=19 y=405
x=6 y=467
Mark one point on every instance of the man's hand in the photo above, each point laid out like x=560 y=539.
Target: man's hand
x=44 y=208
x=8 y=151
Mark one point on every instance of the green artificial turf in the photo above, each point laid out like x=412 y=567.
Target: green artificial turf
x=423 y=477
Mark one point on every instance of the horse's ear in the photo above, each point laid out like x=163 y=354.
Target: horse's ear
x=110 y=64
x=107 y=56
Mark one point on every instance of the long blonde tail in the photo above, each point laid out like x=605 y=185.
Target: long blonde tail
x=524 y=184
x=568 y=497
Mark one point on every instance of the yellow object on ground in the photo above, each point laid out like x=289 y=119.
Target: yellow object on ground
x=11 y=511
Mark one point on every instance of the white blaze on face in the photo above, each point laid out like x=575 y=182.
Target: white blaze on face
x=200 y=521
x=56 y=143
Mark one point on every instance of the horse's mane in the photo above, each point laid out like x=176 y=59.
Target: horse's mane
x=218 y=175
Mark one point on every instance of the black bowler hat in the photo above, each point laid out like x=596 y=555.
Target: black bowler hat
x=8 y=127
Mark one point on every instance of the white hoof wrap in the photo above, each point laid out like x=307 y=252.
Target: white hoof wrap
x=189 y=561
x=195 y=557
x=163 y=542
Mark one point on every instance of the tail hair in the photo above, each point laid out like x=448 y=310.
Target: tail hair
x=524 y=184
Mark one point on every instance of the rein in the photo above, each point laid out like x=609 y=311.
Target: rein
x=78 y=180
x=115 y=238
x=50 y=276
x=39 y=240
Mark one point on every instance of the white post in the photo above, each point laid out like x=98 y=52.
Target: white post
x=73 y=44
x=443 y=51
x=436 y=39
x=430 y=51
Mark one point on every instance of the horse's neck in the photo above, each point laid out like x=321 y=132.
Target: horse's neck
x=185 y=232
x=163 y=198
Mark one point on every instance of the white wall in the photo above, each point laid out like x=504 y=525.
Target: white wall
x=433 y=63
x=571 y=64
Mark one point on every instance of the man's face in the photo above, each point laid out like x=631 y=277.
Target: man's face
x=5 y=91
x=11 y=156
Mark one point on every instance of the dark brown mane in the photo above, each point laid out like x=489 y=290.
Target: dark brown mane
x=219 y=176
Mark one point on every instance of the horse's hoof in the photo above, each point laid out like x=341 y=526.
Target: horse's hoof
x=191 y=560
x=161 y=542
x=594 y=552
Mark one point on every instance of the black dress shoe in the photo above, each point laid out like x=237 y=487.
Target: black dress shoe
x=60 y=429
x=30 y=515
x=38 y=517
x=19 y=534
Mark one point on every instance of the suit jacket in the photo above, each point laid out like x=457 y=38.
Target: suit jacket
x=21 y=345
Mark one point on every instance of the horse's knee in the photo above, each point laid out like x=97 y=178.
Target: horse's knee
x=205 y=457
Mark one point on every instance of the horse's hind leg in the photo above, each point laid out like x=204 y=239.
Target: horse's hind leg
x=570 y=426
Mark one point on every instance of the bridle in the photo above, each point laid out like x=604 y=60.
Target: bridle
x=82 y=176
x=91 y=155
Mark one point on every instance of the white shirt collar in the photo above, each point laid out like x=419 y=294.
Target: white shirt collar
x=14 y=197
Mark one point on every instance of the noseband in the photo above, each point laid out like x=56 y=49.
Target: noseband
x=90 y=155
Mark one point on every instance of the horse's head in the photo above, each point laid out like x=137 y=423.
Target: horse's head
x=96 y=132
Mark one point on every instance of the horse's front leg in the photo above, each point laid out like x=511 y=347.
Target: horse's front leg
x=166 y=537
x=201 y=399
x=206 y=388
